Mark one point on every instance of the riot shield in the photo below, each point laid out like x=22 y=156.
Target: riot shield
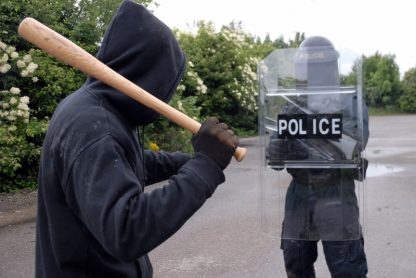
x=313 y=128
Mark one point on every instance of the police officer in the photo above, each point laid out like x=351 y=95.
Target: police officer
x=320 y=203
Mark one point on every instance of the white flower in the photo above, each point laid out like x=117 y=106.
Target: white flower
x=14 y=90
x=12 y=128
x=10 y=49
x=6 y=105
x=14 y=55
x=5 y=68
x=22 y=107
x=21 y=64
x=35 y=79
x=180 y=105
x=181 y=87
x=3 y=45
x=24 y=100
x=11 y=118
x=26 y=121
x=27 y=58
x=4 y=58
x=13 y=101
x=24 y=73
x=203 y=89
x=32 y=67
x=191 y=64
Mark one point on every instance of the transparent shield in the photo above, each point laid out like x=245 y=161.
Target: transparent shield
x=313 y=129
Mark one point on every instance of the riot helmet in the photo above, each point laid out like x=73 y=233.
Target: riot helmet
x=316 y=64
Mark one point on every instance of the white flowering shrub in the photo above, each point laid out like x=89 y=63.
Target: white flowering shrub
x=192 y=82
x=16 y=128
x=40 y=77
x=14 y=109
x=224 y=74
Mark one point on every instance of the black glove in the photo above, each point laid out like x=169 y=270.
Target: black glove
x=215 y=140
x=277 y=150
x=298 y=150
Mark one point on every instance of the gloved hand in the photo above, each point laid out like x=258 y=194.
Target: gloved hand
x=298 y=150
x=215 y=140
x=277 y=150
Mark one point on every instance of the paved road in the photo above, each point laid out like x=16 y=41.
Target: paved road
x=224 y=238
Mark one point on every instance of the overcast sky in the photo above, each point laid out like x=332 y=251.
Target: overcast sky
x=363 y=26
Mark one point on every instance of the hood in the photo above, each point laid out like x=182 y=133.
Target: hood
x=144 y=50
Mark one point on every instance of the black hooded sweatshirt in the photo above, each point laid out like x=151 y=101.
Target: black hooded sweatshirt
x=94 y=219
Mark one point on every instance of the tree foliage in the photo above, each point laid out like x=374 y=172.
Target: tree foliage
x=407 y=100
x=381 y=81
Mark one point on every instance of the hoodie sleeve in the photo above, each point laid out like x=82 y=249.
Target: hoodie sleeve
x=162 y=165
x=105 y=193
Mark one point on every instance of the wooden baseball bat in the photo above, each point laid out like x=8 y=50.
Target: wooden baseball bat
x=73 y=55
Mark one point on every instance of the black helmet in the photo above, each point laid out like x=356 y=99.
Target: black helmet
x=316 y=64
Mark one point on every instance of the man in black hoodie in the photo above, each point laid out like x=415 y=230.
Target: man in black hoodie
x=94 y=219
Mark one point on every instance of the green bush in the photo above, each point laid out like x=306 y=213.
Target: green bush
x=19 y=155
x=407 y=100
x=168 y=136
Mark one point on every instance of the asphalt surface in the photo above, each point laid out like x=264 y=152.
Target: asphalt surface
x=225 y=239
